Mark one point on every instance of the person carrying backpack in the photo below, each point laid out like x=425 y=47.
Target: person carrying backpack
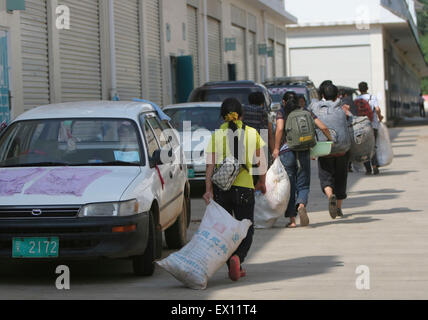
x=372 y=105
x=333 y=169
x=233 y=137
x=295 y=135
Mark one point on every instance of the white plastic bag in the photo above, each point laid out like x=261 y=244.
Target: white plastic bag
x=384 y=151
x=270 y=206
x=217 y=238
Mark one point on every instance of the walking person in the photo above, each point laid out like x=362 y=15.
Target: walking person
x=333 y=169
x=371 y=166
x=296 y=163
x=256 y=115
x=421 y=105
x=239 y=199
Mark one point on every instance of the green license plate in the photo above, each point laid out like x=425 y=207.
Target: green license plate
x=191 y=173
x=35 y=247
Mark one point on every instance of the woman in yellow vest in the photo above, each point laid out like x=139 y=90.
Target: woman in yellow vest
x=239 y=200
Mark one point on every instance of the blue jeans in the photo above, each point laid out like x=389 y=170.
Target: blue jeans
x=300 y=179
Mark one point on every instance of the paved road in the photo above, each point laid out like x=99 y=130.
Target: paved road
x=385 y=229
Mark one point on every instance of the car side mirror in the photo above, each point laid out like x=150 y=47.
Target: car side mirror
x=276 y=107
x=162 y=156
x=155 y=159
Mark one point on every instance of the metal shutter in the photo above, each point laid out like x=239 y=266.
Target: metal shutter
x=128 y=50
x=239 y=54
x=153 y=50
x=80 y=52
x=193 y=41
x=279 y=60
x=35 y=64
x=271 y=67
x=214 y=49
x=252 y=56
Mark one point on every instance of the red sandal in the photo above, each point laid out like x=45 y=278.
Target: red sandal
x=234 y=268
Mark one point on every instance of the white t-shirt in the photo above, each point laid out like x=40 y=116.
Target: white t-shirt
x=372 y=100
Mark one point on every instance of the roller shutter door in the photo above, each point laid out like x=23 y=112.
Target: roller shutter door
x=271 y=66
x=351 y=64
x=193 y=41
x=239 y=53
x=252 y=56
x=80 y=52
x=35 y=64
x=214 y=49
x=279 y=60
x=153 y=50
x=128 y=51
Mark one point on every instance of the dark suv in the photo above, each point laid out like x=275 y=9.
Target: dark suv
x=221 y=90
x=301 y=85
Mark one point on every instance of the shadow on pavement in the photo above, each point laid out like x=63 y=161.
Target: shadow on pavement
x=282 y=270
x=375 y=191
x=402 y=155
x=385 y=211
x=395 y=173
x=343 y=220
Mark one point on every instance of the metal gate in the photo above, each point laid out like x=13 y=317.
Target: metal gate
x=214 y=49
x=279 y=60
x=239 y=54
x=252 y=56
x=80 y=52
x=128 y=50
x=152 y=50
x=193 y=41
x=35 y=51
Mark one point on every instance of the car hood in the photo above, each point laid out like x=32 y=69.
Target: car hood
x=64 y=185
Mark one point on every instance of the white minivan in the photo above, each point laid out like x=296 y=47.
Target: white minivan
x=91 y=180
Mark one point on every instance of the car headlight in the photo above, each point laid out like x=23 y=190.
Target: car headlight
x=110 y=209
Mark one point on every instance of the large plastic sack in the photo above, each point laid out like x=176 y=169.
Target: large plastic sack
x=362 y=139
x=217 y=238
x=272 y=205
x=334 y=118
x=384 y=151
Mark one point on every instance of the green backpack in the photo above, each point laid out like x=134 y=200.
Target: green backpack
x=300 y=131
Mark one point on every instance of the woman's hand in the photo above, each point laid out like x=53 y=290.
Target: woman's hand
x=261 y=186
x=208 y=196
x=275 y=153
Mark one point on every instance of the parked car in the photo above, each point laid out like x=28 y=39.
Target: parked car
x=91 y=180
x=301 y=85
x=202 y=118
x=219 y=91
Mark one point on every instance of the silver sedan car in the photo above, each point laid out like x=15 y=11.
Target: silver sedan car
x=195 y=123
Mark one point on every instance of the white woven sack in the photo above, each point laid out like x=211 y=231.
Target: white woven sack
x=217 y=238
x=272 y=205
x=384 y=151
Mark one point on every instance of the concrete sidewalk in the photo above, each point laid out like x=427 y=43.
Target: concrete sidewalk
x=385 y=229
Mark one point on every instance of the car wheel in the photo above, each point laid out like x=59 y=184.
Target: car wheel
x=176 y=235
x=144 y=265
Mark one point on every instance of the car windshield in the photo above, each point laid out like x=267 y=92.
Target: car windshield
x=278 y=93
x=70 y=142
x=199 y=117
x=221 y=94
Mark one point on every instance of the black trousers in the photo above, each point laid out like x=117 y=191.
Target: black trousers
x=239 y=202
x=333 y=172
x=373 y=161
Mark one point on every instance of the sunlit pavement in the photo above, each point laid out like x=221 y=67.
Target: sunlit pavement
x=379 y=250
